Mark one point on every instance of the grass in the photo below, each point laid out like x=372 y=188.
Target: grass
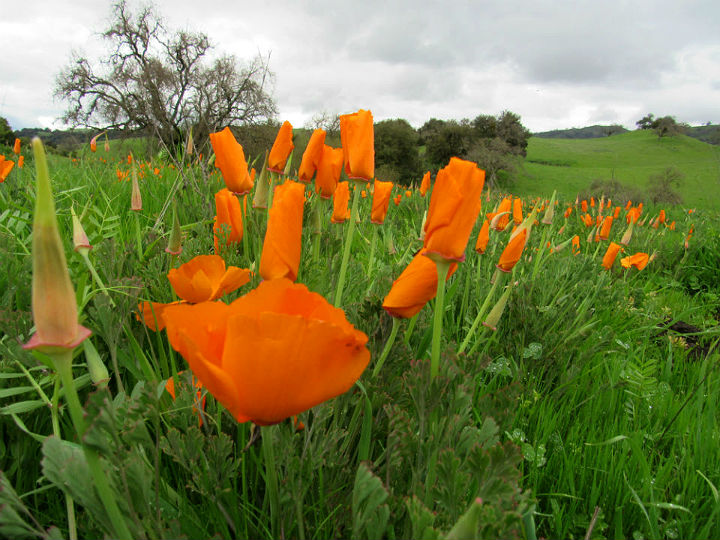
x=581 y=400
x=570 y=165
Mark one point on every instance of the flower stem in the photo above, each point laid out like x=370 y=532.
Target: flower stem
x=69 y=504
x=388 y=346
x=346 y=251
x=443 y=267
x=63 y=364
x=138 y=237
x=271 y=477
x=481 y=312
x=373 y=241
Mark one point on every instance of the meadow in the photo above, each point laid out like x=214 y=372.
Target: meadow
x=586 y=408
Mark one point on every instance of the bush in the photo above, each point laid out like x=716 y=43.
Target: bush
x=612 y=189
x=660 y=186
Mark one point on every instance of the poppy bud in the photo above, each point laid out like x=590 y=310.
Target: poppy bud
x=493 y=318
x=262 y=188
x=80 y=239
x=174 y=246
x=136 y=198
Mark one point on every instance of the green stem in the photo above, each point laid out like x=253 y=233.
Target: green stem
x=95 y=275
x=246 y=247
x=388 y=346
x=481 y=312
x=346 y=251
x=271 y=477
x=69 y=504
x=138 y=237
x=63 y=364
x=373 y=241
x=443 y=267
x=410 y=328
x=541 y=253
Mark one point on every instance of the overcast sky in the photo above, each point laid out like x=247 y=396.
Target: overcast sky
x=557 y=64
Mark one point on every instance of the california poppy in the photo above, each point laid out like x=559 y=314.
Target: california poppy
x=200 y=399
x=5 y=167
x=502 y=214
x=281 y=148
x=425 y=184
x=568 y=211
x=328 y=171
x=230 y=159
x=206 y=278
x=414 y=288
x=483 y=237
x=454 y=207
x=340 y=202
x=584 y=206
x=271 y=354
x=588 y=220
x=381 y=201
x=512 y=252
x=311 y=156
x=16 y=146
x=21 y=161
x=576 y=244
x=358 y=143
x=638 y=260
x=281 y=248
x=610 y=255
x=228 y=218
x=605 y=229
x=517 y=211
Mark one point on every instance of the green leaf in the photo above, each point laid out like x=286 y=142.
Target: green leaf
x=370 y=514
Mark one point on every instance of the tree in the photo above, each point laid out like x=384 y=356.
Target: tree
x=510 y=129
x=646 y=122
x=493 y=156
x=160 y=82
x=667 y=126
x=7 y=136
x=396 y=150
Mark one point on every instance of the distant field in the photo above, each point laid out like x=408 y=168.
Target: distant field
x=569 y=165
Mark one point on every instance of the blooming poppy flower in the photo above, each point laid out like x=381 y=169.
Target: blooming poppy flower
x=576 y=244
x=21 y=161
x=408 y=193
x=502 y=220
x=381 y=201
x=397 y=200
x=632 y=215
x=517 y=211
x=425 y=184
x=281 y=148
x=358 y=143
x=228 y=219
x=230 y=159
x=281 y=248
x=6 y=166
x=341 y=197
x=311 y=156
x=605 y=229
x=661 y=216
x=271 y=354
x=206 y=278
x=328 y=171
x=512 y=252
x=483 y=237
x=454 y=207
x=610 y=255
x=588 y=220
x=568 y=211
x=592 y=202
x=584 y=206
x=414 y=287
x=16 y=146
x=638 y=260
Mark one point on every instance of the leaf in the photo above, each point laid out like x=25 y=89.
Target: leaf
x=369 y=513
x=613 y=440
x=22 y=407
x=12 y=524
x=422 y=520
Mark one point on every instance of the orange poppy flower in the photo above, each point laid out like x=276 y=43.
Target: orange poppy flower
x=271 y=354
x=483 y=237
x=16 y=146
x=517 y=211
x=454 y=207
x=588 y=220
x=512 y=252
x=358 y=143
x=340 y=202
x=200 y=399
x=21 y=161
x=281 y=248
x=576 y=244
x=632 y=215
x=605 y=229
x=397 y=200
x=638 y=260
x=408 y=193
x=425 y=184
x=661 y=216
x=592 y=202
x=328 y=171
x=206 y=278
x=230 y=159
x=414 y=287
x=311 y=156
x=228 y=219
x=381 y=201
x=584 y=206
x=610 y=255
x=6 y=166
x=568 y=212
x=281 y=148
x=502 y=221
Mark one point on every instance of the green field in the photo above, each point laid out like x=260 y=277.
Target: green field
x=569 y=165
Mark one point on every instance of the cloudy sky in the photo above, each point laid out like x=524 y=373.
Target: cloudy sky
x=558 y=64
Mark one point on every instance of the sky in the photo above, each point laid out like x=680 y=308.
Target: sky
x=558 y=64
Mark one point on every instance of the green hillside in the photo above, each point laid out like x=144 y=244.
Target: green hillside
x=630 y=158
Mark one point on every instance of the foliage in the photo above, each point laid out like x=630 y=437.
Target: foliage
x=396 y=153
x=664 y=126
x=7 y=135
x=159 y=82
x=661 y=186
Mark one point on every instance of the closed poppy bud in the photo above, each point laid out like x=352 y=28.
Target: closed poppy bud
x=617 y=212
x=21 y=161
x=135 y=198
x=16 y=146
x=205 y=278
x=340 y=202
x=228 y=221
x=628 y=205
x=230 y=159
x=93 y=142
x=605 y=229
x=107 y=144
x=281 y=148
x=592 y=202
x=584 y=206
x=129 y=159
x=588 y=220
x=174 y=246
x=311 y=156
x=271 y=354
x=661 y=216
x=517 y=211
x=483 y=237
x=281 y=248
x=493 y=318
x=414 y=288
x=381 y=201
x=425 y=184
x=625 y=240
x=262 y=188
x=610 y=255
x=189 y=143
x=328 y=171
x=358 y=143
x=454 y=207
x=638 y=260
x=80 y=239
x=550 y=211
x=53 y=297
x=512 y=252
